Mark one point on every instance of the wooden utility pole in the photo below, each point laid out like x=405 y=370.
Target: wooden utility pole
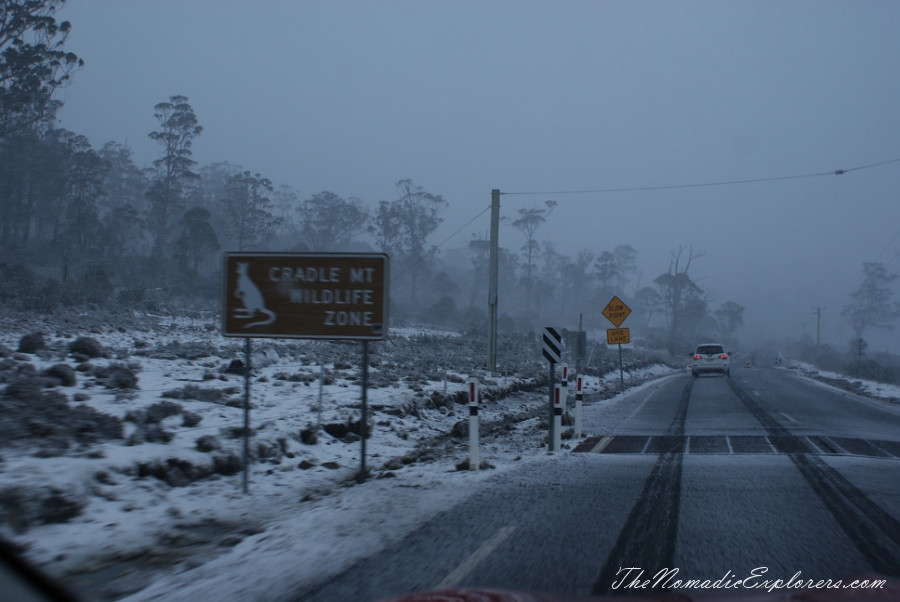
x=492 y=281
x=818 y=323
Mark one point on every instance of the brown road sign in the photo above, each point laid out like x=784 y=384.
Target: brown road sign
x=616 y=311
x=617 y=336
x=306 y=295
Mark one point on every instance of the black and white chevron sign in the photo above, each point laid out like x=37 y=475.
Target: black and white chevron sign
x=552 y=345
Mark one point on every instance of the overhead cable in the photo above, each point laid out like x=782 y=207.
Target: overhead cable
x=836 y=172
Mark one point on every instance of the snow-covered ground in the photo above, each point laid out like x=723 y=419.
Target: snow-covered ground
x=152 y=516
x=869 y=388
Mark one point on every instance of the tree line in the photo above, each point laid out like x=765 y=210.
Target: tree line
x=79 y=224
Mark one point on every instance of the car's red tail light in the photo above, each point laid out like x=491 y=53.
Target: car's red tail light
x=724 y=356
x=696 y=356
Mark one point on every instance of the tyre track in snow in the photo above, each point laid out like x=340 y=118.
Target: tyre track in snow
x=651 y=530
x=874 y=532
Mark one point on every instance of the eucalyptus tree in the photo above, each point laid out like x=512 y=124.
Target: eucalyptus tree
x=528 y=222
x=626 y=263
x=730 y=317
x=32 y=186
x=125 y=183
x=384 y=227
x=576 y=281
x=480 y=248
x=607 y=271
x=647 y=302
x=402 y=227
x=197 y=240
x=178 y=127
x=285 y=200
x=33 y=63
x=328 y=222
x=79 y=221
x=123 y=231
x=249 y=206
x=872 y=304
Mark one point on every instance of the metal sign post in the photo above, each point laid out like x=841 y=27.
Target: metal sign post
x=247 y=350
x=619 y=336
x=333 y=296
x=364 y=419
x=616 y=311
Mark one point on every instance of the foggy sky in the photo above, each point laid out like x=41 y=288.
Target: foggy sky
x=467 y=96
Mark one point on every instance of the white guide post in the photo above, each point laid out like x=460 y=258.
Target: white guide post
x=473 y=424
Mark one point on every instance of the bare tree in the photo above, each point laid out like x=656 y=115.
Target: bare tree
x=676 y=287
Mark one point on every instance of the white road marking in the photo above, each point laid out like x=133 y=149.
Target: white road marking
x=646 y=399
x=786 y=416
x=456 y=577
x=603 y=443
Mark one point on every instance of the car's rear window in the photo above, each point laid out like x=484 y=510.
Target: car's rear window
x=710 y=349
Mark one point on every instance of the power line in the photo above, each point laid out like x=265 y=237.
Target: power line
x=836 y=172
x=888 y=246
x=442 y=243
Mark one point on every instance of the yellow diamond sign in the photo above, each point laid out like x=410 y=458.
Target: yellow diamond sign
x=616 y=311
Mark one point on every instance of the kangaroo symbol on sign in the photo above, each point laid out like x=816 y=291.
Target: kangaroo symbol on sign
x=252 y=299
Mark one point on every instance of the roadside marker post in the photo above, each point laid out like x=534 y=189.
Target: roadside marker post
x=473 y=424
x=579 y=383
x=557 y=417
x=564 y=381
x=551 y=347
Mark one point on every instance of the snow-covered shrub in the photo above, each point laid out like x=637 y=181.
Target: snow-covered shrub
x=208 y=443
x=25 y=507
x=190 y=419
x=29 y=413
x=64 y=373
x=32 y=343
x=87 y=347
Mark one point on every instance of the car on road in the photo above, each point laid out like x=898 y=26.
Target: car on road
x=709 y=357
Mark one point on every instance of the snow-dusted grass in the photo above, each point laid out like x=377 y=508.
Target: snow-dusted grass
x=869 y=388
x=305 y=517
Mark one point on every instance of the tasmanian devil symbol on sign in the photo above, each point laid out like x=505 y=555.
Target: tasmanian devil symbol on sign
x=252 y=299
